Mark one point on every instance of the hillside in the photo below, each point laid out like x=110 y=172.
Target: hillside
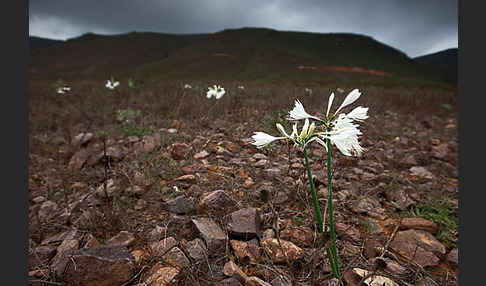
x=240 y=54
x=38 y=43
x=443 y=63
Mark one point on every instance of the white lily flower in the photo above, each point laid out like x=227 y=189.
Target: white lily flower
x=217 y=92
x=262 y=139
x=61 y=90
x=111 y=84
x=298 y=112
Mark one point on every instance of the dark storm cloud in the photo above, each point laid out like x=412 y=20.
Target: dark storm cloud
x=414 y=27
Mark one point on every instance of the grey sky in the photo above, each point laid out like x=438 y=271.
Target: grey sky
x=416 y=27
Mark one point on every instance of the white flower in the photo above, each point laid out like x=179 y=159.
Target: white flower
x=308 y=91
x=215 y=91
x=340 y=90
x=111 y=84
x=262 y=139
x=306 y=135
x=298 y=112
x=63 y=90
x=241 y=87
x=187 y=86
x=340 y=128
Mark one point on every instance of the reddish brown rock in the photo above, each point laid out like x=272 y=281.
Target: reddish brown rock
x=453 y=257
x=59 y=261
x=101 y=266
x=123 y=238
x=196 y=249
x=216 y=203
x=302 y=236
x=419 y=223
x=212 y=234
x=41 y=255
x=159 y=248
x=179 y=151
x=160 y=275
x=418 y=246
x=193 y=168
x=246 y=250
x=400 y=199
x=78 y=160
x=369 y=206
x=175 y=257
x=292 y=251
x=180 y=205
x=229 y=282
x=244 y=223
x=347 y=232
x=231 y=269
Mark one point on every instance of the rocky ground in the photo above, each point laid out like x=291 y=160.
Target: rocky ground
x=186 y=205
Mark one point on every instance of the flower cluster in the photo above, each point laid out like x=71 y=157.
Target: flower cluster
x=339 y=128
x=63 y=90
x=216 y=92
x=111 y=84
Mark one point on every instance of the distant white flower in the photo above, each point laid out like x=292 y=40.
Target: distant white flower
x=216 y=91
x=241 y=87
x=340 y=90
x=63 y=90
x=308 y=91
x=111 y=84
x=187 y=86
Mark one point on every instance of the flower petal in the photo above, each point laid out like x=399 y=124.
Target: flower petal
x=350 y=98
x=262 y=139
x=359 y=113
x=331 y=98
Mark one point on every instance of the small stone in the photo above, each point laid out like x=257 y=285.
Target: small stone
x=272 y=173
x=196 y=250
x=123 y=238
x=453 y=257
x=179 y=151
x=212 y=234
x=419 y=246
x=421 y=172
x=261 y=163
x=244 y=223
x=159 y=248
x=255 y=281
x=347 y=232
x=38 y=199
x=216 y=203
x=81 y=139
x=292 y=251
x=180 y=205
x=160 y=275
x=229 y=282
x=47 y=210
x=301 y=236
x=201 y=155
x=369 y=206
x=249 y=250
x=175 y=257
x=231 y=269
x=91 y=242
x=41 y=256
x=419 y=223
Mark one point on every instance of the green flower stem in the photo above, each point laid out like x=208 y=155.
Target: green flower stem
x=333 y=258
x=317 y=210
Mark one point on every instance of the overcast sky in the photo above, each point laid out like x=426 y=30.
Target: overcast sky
x=416 y=27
